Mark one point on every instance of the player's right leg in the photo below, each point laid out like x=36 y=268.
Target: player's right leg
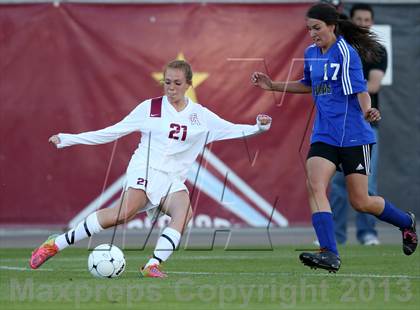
x=132 y=201
x=339 y=206
x=319 y=172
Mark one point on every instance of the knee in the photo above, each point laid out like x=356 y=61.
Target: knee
x=183 y=218
x=315 y=189
x=121 y=219
x=124 y=215
x=360 y=203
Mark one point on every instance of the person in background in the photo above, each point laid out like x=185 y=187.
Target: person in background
x=373 y=71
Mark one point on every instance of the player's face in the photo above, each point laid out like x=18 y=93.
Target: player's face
x=322 y=34
x=175 y=85
x=362 y=18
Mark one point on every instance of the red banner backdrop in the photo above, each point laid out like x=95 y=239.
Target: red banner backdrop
x=79 y=67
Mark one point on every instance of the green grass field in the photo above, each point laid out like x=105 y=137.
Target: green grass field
x=370 y=278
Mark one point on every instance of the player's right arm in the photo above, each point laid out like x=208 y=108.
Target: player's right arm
x=263 y=81
x=132 y=122
x=302 y=86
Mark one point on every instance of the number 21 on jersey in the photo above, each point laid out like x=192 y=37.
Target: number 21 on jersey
x=178 y=132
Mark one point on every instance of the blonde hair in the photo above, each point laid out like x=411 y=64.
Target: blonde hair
x=181 y=65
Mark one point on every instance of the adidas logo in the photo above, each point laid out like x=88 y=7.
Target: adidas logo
x=360 y=167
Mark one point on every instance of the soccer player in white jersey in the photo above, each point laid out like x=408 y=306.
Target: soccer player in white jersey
x=341 y=136
x=174 y=131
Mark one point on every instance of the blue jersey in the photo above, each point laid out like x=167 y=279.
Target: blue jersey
x=336 y=78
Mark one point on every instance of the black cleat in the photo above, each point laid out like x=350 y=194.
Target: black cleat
x=409 y=236
x=324 y=259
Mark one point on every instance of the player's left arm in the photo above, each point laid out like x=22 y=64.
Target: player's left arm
x=370 y=114
x=353 y=82
x=221 y=129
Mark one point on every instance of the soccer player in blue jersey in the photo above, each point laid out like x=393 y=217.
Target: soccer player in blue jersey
x=342 y=136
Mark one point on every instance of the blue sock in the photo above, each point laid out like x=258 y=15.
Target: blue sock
x=395 y=216
x=324 y=228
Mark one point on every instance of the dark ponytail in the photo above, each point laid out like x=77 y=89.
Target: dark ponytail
x=362 y=39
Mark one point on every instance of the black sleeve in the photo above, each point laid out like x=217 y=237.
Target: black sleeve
x=382 y=63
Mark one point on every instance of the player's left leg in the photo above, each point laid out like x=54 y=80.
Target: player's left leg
x=177 y=205
x=357 y=188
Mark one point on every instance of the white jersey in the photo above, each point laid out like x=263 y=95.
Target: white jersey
x=170 y=140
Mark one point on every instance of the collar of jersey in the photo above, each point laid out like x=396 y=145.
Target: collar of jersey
x=331 y=47
x=171 y=107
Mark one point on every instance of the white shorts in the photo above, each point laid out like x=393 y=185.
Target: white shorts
x=156 y=184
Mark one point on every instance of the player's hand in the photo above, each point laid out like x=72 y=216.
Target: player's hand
x=54 y=140
x=261 y=80
x=264 y=122
x=373 y=115
x=264 y=119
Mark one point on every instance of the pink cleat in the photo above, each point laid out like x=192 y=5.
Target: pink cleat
x=152 y=271
x=410 y=236
x=47 y=250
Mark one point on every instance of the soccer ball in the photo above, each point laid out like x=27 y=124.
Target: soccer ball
x=106 y=261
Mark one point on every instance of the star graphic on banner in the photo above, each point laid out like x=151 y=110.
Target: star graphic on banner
x=198 y=78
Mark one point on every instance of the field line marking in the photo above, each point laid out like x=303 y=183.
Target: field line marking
x=361 y=275
x=68 y=259
x=347 y=275
x=22 y=268
x=291 y=273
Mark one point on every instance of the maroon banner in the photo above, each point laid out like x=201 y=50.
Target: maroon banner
x=79 y=67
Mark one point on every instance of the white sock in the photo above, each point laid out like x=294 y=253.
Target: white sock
x=166 y=244
x=87 y=228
